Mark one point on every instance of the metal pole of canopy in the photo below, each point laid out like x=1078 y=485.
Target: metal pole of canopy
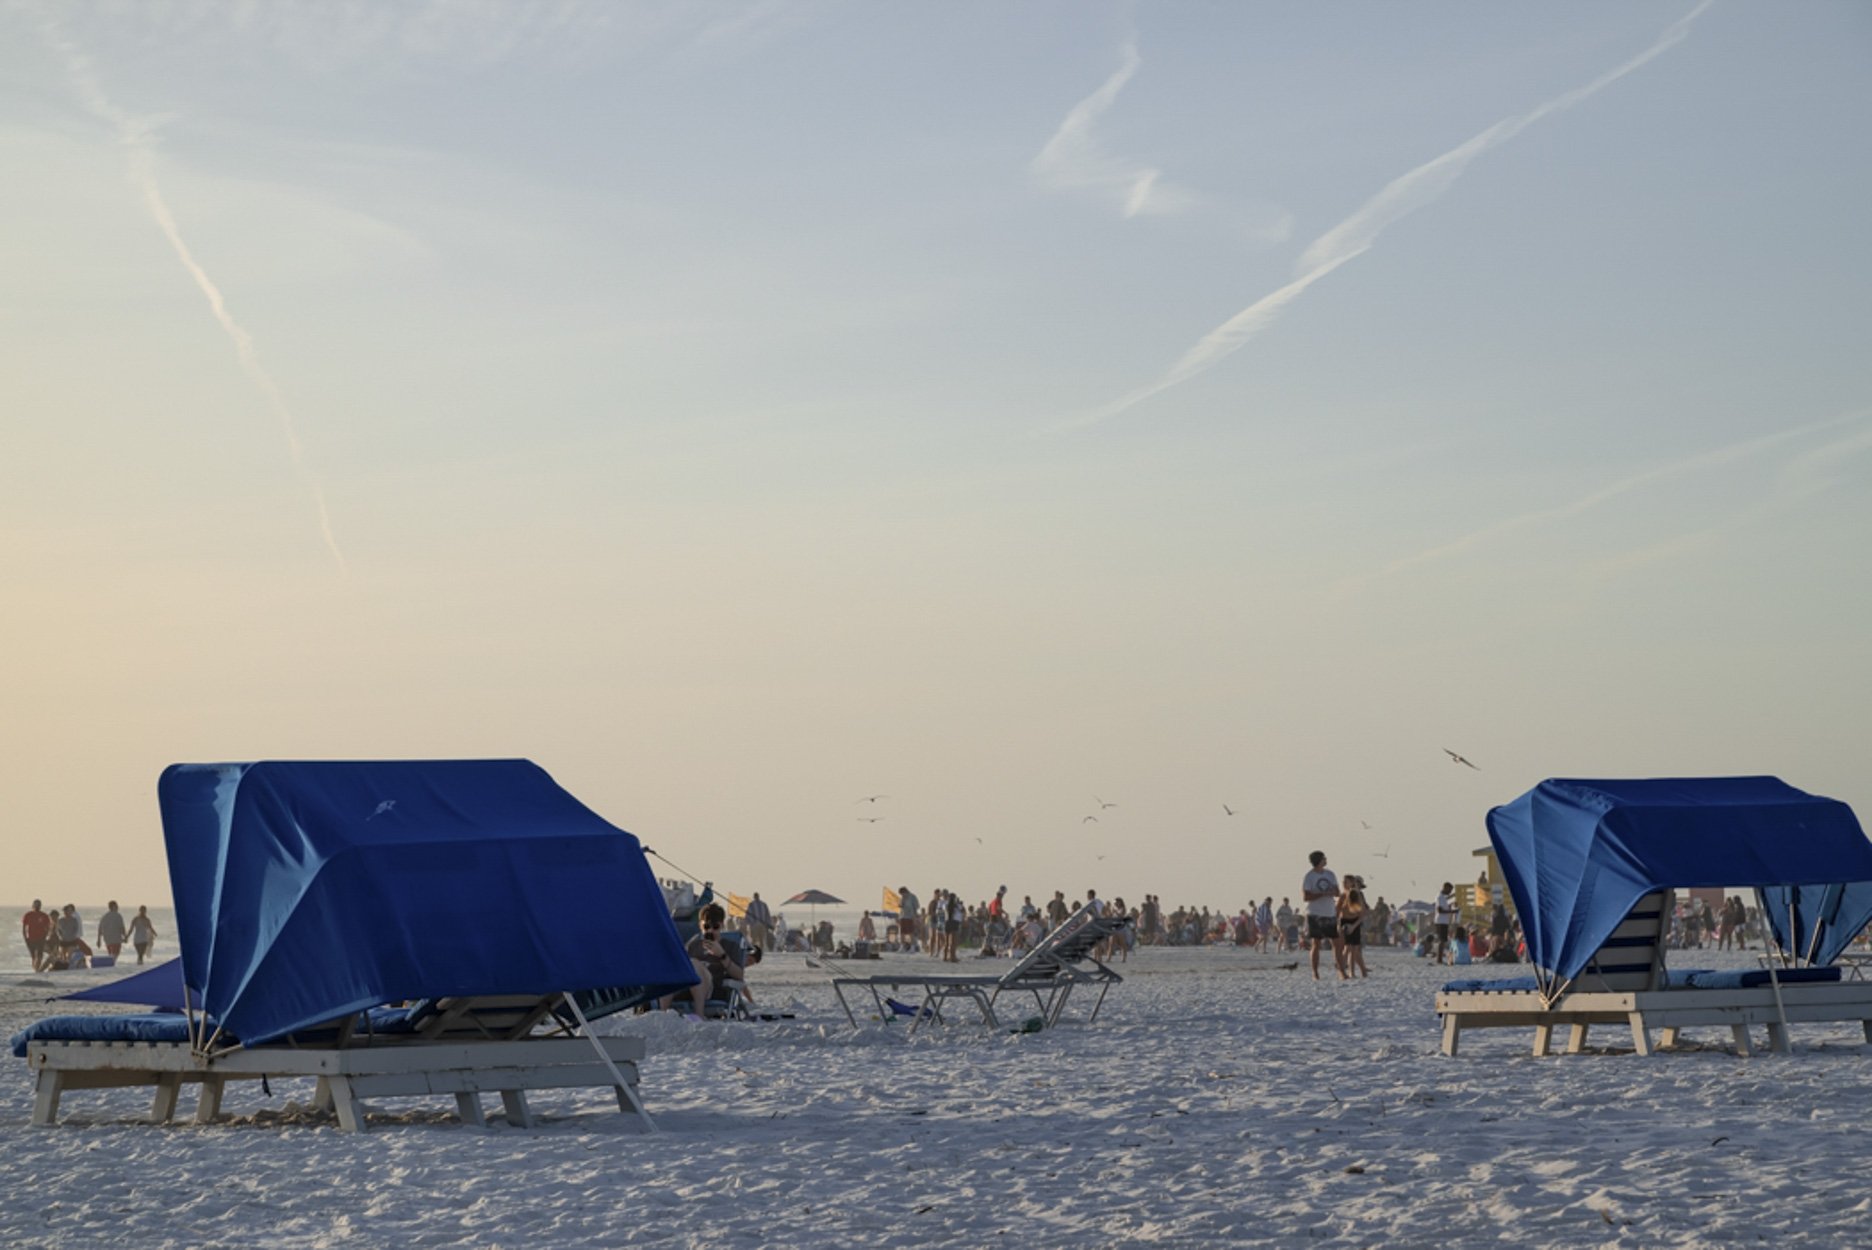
x=624 y=1087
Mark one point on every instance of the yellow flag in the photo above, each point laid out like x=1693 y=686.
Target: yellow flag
x=737 y=906
x=892 y=903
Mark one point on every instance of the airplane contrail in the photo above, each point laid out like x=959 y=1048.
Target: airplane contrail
x=1355 y=235
x=1073 y=159
x=134 y=134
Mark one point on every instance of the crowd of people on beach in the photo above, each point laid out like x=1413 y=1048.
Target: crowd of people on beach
x=1334 y=916
x=57 y=940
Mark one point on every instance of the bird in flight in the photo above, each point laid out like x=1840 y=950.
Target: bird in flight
x=978 y=841
x=1102 y=803
x=1093 y=819
x=870 y=820
x=1384 y=854
x=1364 y=824
x=1458 y=759
x=1227 y=810
x=871 y=798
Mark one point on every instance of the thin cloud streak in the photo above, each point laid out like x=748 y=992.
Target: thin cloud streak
x=134 y=135
x=1074 y=160
x=1700 y=462
x=1355 y=235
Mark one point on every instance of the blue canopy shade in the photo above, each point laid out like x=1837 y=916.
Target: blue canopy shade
x=160 y=986
x=1578 y=854
x=1817 y=922
x=305 y=891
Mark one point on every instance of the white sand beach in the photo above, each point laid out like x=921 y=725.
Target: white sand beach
x=1220 y=1099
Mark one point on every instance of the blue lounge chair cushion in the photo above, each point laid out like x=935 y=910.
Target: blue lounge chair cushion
x=1750 y=978
x=1688 y=978
x=1486 y=985
x=152 y=1026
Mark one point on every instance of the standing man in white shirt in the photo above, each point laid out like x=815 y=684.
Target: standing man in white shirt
x=1446 y=915
x=1319 y=890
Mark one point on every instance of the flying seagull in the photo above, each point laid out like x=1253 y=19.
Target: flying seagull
x=1458 y=759
x=871 y=798
x=1093 y=819
x=1227 y=810
x=1364 y=824
x=1102 y=803
x=870 y=820
x=1384 y=854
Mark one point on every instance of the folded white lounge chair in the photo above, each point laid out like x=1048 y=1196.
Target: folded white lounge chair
x=1059 y=963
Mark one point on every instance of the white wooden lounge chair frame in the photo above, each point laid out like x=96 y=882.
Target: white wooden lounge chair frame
x=1640 y=999
x=1050 y=972
x=442 y=1057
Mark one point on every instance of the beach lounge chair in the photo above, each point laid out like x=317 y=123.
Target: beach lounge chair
x=309 y=895
x=464 y=1047
x=1600 y=958
x=1059 y=963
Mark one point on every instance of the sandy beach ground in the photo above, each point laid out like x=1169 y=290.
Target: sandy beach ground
x=1220 y=1099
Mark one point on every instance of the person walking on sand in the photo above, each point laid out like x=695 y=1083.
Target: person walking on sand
x=36 y=931
x=1352 y=912
x=759 y=921
x=142 y=933
x=1264 y=922
x=1319 y=891
x=111 y=929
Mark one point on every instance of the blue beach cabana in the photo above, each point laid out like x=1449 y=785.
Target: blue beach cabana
x=330 y=913
x=304 y=891
x=1592 y=865
x=1579 y=854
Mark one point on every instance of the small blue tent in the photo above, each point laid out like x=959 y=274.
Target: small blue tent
x=1578 y=854
x=305 y=891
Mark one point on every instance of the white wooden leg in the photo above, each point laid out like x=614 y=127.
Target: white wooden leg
x=208 y=1106
x=1640 y=1036
x=1576 y=1039
x=468 y=1103
x=1740 y=1031
x=1778 y=1038
x=168 y=1089
x=1667 y=1039
x=46 y=1097
x=1543 y=1040
x=344 y=1100
x=515 y=1102
x=322 y=1095
x=1452 y=1030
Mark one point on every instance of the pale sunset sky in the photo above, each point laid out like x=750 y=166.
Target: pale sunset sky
x=1008 y=409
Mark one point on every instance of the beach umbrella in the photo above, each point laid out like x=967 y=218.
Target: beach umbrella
x=812 y=899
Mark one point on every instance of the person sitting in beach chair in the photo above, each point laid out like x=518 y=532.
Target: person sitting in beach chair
x=723 y=975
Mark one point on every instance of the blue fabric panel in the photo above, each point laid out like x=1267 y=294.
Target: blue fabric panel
x=304 y=891
x=1817 y=922
x=160 y=986
x=161 y=1026
x=1579 y=854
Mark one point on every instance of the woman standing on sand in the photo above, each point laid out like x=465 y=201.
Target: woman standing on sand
x=1351 y=917
x=142 y=933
